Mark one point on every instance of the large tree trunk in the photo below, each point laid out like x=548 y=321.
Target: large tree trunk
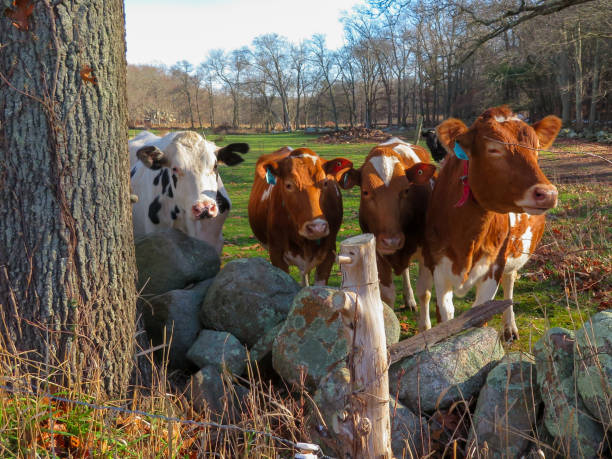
x=67 y=266
x=563 y=78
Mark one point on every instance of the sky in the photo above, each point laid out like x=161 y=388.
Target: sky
x=164 y=32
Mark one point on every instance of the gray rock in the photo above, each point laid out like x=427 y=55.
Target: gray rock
x=172 y=317
x=593 y=356
x=218 y=349
x=207 y=390
x=507 y=408
x=262 y=348
x=171 y=260
x=392 y=325
x=248 y=298
x=311 y=340
x=565 y=416
x=409 y=432
x=448 y=371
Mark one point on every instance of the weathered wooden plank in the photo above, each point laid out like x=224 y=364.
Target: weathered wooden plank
x=475 y=317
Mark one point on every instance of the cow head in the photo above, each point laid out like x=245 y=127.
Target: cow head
x=504 y=175
x=387 y=180
x=188 y=172
x=304 y=180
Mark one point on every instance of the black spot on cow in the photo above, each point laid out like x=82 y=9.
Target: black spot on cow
x=165 y=180
x=222 y=203
x=174 y=213
x=174 y=179
x=133 y=171
x=170 y=192
x=154 y=209
x=157 y=177
x=438 y=152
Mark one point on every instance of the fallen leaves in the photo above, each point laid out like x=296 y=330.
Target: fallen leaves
x=87 y=75
x=20 y=14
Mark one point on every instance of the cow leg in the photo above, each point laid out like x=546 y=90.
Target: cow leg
x=486 y=290
x=277 y=259
x=385 y=276
x=444 y=293
x=423 y=288
x=510 y=329
x=409 y=300
x=324 y=269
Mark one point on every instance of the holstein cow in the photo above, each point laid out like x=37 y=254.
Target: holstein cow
x=395 y=182
x=178 y=185
x=486 y=212
x=295 y=209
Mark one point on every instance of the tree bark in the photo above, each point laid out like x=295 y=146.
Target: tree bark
x=67 y=265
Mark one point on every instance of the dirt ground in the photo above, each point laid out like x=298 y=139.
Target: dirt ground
x=578 y=161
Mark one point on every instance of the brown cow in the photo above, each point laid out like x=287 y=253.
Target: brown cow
x=486 y=214
x=295 y=209
x=395 y=187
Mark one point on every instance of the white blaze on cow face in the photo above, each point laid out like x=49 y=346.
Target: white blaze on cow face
x=385 y=167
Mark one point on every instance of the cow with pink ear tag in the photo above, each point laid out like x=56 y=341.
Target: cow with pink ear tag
x=176 y=178
x=396 y=179
x=486 y=213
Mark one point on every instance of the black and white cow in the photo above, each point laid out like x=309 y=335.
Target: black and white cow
x=178 y=185
x=438 y=152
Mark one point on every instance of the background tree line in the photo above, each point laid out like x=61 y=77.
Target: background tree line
x=400 y=60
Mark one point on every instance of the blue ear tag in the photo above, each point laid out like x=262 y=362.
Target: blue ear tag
x=270 y=177
x=459 y=153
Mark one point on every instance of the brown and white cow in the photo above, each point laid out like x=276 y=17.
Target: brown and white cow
x=295 y=209
x=486 y=213
x=395 y=188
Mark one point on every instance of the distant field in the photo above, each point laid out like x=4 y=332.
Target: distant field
x=567 y=280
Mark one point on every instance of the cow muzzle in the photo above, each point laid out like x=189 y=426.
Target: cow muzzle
x=201 y=210
x=387 y=244
x=315 y=229
x=539 y=198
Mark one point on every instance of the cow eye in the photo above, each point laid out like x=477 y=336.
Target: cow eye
x=289 y=186
x=365 y=193
x=494 y=151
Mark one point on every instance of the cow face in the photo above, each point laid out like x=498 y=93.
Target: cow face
x=504 y=175
x=305 y=182
x=388 y=192
x=188 y=172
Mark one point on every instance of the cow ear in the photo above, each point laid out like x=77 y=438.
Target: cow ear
x=420 y=173
x=448 y=131
x=349 y=179
x=153 y=157
x=229 y=154
x=268 y=170
x=337 y=167
x=547 y=129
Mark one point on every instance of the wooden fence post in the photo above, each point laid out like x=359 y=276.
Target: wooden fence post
x=369 y=391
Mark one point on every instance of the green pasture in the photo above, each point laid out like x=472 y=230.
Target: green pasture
x=549 y=293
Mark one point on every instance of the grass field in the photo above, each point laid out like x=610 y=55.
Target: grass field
x=567 y=280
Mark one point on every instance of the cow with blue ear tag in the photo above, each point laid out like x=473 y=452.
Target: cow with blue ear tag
x=295 y=209
x=486 y=214
x=176 y=178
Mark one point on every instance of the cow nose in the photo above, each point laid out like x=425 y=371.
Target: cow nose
x=545 y=196
x=317 y=228
x=204 y=210
x=392 y=242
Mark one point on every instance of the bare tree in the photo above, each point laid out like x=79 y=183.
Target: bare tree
x=324 y=60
